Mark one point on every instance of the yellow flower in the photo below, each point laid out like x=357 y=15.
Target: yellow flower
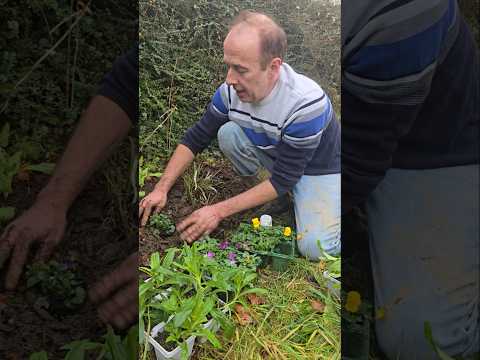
x=380 y=313
x=255 y=223
x=287 y=231
x=354 y=301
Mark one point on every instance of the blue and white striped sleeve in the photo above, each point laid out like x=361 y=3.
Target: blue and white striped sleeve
x=301 y=137
x=305 y=126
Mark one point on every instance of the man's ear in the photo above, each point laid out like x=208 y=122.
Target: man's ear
x=275 y=65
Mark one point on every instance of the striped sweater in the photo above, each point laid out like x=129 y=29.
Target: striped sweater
x=295 y=125
x=410 y=91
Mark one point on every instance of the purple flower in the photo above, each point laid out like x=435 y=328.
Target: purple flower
x=210 y=254
x=238 y=246
x=223 y=245
x=231 y=256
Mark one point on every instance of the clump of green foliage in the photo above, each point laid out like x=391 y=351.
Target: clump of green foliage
x=260 y=238
x=228 y=254
x=162 y=224
x=113 y=348
x=190 y=285
x=60 y=287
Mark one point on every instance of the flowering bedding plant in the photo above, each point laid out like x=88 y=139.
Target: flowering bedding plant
x=228 y=254
x=237 y=252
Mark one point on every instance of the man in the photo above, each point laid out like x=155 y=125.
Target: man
x=266 y=115
x=106 y=121
x=410 y=94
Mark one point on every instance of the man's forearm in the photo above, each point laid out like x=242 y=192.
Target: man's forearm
x=180 y=160
x=103 y=125
x=258 y=195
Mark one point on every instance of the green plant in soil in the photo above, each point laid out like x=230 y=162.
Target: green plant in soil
x=145 y=173
x=162 y=224
x=59 y=286
x=113 y=348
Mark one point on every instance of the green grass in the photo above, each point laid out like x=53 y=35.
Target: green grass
x=286 y=326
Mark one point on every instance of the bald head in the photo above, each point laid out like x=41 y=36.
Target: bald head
x=273 y=40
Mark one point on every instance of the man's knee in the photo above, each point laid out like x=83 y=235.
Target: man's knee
x=401 y=335
x=313 y=244
x=228 y=137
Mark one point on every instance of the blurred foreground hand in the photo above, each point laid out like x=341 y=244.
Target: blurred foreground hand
x=42 y=223
x=116 y=294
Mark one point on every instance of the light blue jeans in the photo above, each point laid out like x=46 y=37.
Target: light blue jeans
x=424 y=248
x=316 y=198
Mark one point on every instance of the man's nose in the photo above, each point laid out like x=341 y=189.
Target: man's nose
x=230 y=78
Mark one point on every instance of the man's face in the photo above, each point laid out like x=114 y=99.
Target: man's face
x=241 y=53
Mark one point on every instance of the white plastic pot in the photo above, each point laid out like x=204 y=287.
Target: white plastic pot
x=333 y=285
x=161 y=353
x=212 y=325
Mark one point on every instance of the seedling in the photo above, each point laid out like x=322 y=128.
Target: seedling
x=60 y=288
x=162 y=224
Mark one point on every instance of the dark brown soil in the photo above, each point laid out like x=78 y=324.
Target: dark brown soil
x=179 y=207
x=92 y=242
x=161 y=339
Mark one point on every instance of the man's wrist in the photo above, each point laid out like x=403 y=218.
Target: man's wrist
x=52 y=199
x=162 y=186
x=223 y=209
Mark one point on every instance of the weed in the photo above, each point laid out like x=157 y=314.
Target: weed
x=59 y=286
x=200 y=184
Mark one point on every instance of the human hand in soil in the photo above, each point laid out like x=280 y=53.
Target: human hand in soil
x=157 y=200
x=116 y=294
x=42 y=223
x=200 y=223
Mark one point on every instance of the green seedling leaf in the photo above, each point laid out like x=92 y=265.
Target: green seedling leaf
x=180 y=318
x=113 y=344
x=44 y=168
x=130 y=343
x=6 y=214
x=155 y=260
x=210 y=337
x=41 y=355
x=257 y=291
x=429 y=336
x=77 y=349
x=9 y=168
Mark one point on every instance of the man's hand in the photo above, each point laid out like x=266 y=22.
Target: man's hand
x=157 y=199
x=117 y=294
x=201 y=222
x=42 y=223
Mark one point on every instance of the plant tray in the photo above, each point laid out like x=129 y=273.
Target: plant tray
x=160 y=352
